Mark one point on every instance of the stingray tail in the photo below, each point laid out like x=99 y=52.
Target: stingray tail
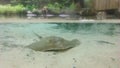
x=37 y=35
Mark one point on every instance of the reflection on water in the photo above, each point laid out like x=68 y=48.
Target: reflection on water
x=108 y=29
x=103 y=28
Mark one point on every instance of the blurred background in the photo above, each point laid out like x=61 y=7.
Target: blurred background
x=100 y=9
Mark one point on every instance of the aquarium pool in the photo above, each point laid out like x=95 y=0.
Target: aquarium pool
x=99 y=46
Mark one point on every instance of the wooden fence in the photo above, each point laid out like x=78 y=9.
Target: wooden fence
x=106 y=4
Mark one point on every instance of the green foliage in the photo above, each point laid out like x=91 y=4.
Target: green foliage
x=21 y=5
x=65 y=3
x=31 y=4
x=9 y=9
x=56 y=7
x=72 y=6
x=88 y=3
x=30 y=7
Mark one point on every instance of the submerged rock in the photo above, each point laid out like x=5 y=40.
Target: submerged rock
x=53 y=43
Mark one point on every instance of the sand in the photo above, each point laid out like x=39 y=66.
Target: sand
x=89 y=54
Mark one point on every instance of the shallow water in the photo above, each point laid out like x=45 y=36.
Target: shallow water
x=99 y=46
x=14 y=32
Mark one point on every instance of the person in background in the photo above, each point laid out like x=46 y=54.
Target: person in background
x=44 y=11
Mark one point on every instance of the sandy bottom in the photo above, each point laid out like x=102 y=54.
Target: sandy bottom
x=91 y=53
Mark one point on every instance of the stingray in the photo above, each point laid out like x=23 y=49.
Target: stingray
x=53 y=43
x=105 y=42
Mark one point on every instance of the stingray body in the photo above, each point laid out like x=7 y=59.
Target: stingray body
x=53 y=43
